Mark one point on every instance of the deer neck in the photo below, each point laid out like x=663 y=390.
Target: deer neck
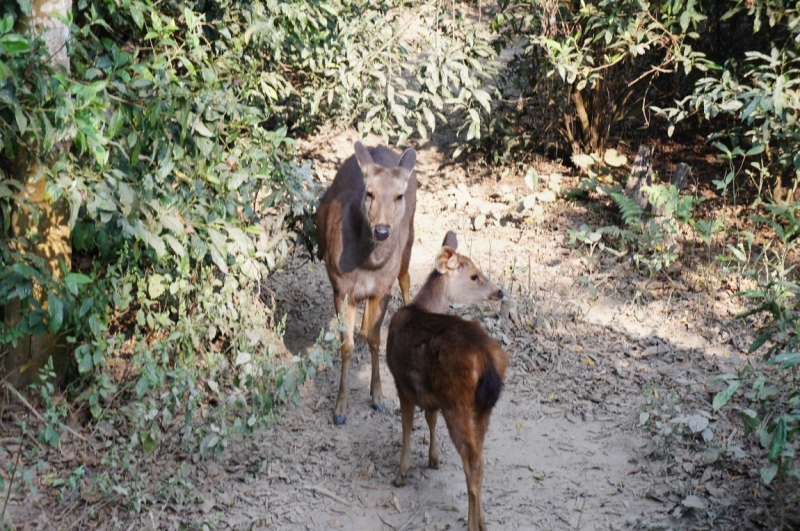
x=432 y=297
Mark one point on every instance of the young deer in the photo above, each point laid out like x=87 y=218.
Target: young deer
x=442 y=362
x=365 y=230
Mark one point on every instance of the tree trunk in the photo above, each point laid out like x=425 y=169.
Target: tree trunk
x=53 y=244
x=641 y=175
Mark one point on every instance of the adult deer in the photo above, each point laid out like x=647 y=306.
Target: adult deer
x=365 y=230
x=443 y=363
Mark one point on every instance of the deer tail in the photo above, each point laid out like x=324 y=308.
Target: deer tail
x=489 y=386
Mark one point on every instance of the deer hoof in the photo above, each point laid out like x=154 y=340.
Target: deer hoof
x=433 y=463
x=339 y=420
x=399 y=482
x=379 y=406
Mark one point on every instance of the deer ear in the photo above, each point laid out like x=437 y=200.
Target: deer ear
x=407 y=160
x=362 y=155
x=450 y=240
x=446 y=260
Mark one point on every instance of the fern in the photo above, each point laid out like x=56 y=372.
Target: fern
x=631 y=212
x=618 y=233
x=658 y=194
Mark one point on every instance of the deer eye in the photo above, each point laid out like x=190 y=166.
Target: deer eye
x=474 y=278
x=370 y=195
x=399 y=197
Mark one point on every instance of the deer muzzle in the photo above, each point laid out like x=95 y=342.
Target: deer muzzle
x=381 y=232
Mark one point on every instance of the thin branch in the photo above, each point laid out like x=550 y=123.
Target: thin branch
x=39 y=417
x=10 y=483
x=329 y=494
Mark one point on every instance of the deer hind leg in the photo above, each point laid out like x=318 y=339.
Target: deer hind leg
x=481 y=426
x=376 y=307
x=340 y=411
x=407 y=412
x=463 y=431
x=433 y=450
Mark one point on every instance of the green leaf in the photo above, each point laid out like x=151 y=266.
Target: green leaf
x=778 y=439
x=768 y=473
x=724 y=396
x=55 y=310
x=755 y=150
x=73 y=280
x=728 y=14
x=614 y=158
x=6 y=24
x=201 y=128
x=86 y=364
x=217 y=258
x=25 y=271
x=176 y=246
x=171 y=222
x=483 y=98
x=787 y=360
x=737 y=253
x=115 y=125
x=148 y=443
x=156 y=286
x=21 y=119
x=532 y=178
x=14 y=43
x=582 y=161
x=759 y=341
x=429 y=118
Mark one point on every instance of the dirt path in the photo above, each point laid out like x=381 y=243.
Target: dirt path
x=563 y=450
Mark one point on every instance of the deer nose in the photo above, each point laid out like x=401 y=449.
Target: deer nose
x=500 y=295
x=381 y=232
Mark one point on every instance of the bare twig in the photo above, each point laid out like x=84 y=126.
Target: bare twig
x=36 y=414
x=10 y=484
x=390 y=526
x=419 y=506
x=580 y=514
x=326 y=492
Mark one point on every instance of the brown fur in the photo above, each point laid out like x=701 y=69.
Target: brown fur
x=373 y=192
x=444 y=363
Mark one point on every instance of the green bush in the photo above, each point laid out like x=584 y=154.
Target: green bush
x=754 y=85
x=769 y=408
x=578 y=69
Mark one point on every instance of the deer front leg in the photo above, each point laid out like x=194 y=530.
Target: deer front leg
x=407 y=412
x=340 y=411
x=363 y=333
x=404 y=279
x=376 y=307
